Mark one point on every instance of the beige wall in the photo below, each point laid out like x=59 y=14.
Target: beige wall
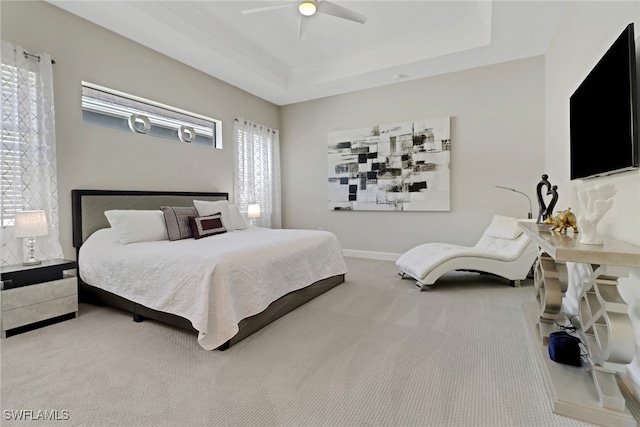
x=100 y=158
x=585 y=32
x=497 y=133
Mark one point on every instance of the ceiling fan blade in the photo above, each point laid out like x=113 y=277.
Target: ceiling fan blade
x=304 y=27
x=341 y=12
x=266 y=8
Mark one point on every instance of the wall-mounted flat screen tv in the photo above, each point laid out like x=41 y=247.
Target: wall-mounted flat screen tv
x=604 y=118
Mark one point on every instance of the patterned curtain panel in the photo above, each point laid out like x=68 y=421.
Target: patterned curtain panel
x=256 y=171
x=27 y=151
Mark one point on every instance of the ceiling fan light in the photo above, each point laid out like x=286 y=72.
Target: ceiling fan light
x=307 y=8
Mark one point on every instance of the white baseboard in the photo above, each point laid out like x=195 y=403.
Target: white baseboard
x=382 y=256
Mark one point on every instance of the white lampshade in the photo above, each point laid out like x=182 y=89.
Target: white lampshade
x=253 y=210
x=31 y=224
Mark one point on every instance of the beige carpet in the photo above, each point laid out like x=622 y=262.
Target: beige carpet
x=372 y=352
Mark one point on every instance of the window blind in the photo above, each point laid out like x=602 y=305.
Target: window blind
x=14 y=139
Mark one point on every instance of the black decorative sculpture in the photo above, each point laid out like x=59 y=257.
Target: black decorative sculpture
x=542 y=213
x=552 y=203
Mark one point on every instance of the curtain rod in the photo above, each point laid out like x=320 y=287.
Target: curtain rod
x=26 y=55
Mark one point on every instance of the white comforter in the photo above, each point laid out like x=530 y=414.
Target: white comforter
x=215 y=281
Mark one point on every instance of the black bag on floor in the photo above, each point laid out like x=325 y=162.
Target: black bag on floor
x=564 y=348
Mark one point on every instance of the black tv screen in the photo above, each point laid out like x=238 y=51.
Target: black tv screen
x=604 y=117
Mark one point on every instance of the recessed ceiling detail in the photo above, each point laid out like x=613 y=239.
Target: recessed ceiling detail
x=262 y=53
x=309 y=8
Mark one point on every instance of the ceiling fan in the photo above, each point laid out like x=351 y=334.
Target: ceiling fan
x=309 y=8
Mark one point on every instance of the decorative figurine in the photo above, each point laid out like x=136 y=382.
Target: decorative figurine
x=594 y=203
x=552 y=203
x=562 y=221
x=542 y=213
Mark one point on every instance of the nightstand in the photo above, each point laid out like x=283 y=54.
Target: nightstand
x=37 y=295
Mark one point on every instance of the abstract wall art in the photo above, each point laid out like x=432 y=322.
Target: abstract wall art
x=394 y=167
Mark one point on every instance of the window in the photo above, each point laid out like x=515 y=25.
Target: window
x=28 y=175
x=256 y=174
x=14 y=140
x=110 y=108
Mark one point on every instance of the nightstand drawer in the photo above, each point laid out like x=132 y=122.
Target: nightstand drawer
x=34 y=294
x=37 y=312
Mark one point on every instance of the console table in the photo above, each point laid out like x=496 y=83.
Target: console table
x=589 y=393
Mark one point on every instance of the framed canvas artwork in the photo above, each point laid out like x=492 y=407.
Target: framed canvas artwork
x=394 y=167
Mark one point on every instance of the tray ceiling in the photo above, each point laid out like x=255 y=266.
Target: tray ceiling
x=261 y=52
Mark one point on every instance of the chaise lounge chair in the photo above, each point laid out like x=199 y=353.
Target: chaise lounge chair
x=503 y=250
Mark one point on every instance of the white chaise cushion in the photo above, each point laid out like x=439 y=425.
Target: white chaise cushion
x=503 y=249
x=421 y=260
x=503 y=227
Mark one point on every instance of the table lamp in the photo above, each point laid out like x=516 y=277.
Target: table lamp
x=31 y=224
x=253 y=212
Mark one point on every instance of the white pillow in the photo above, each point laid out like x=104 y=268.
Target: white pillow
x=239 y=223
x=206 y=208
x=137 y=226
x=504 y=227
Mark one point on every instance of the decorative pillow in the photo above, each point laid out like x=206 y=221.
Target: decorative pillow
x=133 y=226
x=207 y=208
x=239 y=223
x=204 y=226
x=177 y=219
x=504 y=227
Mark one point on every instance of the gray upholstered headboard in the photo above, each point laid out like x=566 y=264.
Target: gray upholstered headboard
x=88 y=206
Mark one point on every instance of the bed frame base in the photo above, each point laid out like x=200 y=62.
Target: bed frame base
x=247 y=326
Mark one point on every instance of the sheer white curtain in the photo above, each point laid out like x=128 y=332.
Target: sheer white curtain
x=28 y=177
x=256 y=171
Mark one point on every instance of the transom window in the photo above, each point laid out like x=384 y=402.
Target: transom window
x=114 y=109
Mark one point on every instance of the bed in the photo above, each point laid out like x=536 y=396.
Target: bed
x=225 y=287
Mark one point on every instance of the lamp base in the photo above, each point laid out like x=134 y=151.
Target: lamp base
x=32 y=261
